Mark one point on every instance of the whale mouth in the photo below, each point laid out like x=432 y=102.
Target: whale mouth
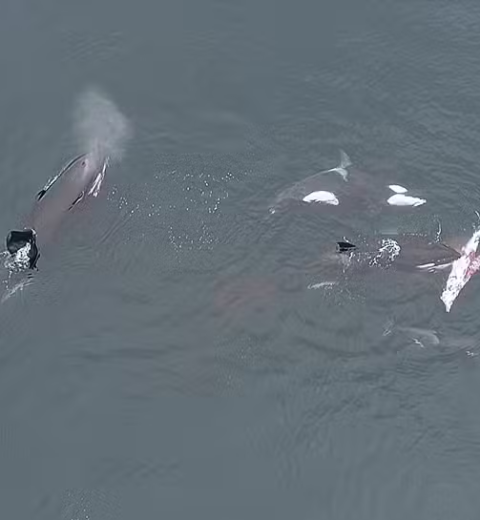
x=22 y=246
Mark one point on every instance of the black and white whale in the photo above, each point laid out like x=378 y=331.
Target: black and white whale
x=407 y=253
x=79 y=179
x=340 y=191
x=410 y=253
x=401 y=253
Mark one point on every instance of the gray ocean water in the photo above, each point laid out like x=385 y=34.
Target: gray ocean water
x=168 y=360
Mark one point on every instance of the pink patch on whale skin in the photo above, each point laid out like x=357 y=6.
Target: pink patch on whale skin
x=462 y=270
x=245 y=295
x=474 y=265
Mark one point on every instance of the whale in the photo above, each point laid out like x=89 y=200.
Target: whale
x=406 y=253
x=81 y=178
x=338 y=191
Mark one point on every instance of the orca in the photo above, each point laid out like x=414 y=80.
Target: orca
x=339 y=192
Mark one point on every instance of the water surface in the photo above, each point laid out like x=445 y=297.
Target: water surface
x=168 y=361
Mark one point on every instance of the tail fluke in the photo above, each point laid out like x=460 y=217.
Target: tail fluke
x=23 y=246
x=341 y=169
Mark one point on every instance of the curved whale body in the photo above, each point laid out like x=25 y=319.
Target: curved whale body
x=80 y=178
x=404 y=253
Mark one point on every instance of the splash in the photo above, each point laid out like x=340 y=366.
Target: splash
x=18 y=262
x=387 y=252
x=18 y=286
x=100 y=127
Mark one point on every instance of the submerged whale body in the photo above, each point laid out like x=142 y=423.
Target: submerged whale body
x=342 y=191
x=101 y=131
x=82 y=177
x=410 y=253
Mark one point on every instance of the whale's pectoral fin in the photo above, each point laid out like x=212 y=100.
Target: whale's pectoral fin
x=53 y=180
x=40 y=194
x=97 y=183
x=345 y=247
x=77 y=200
x=47 y=186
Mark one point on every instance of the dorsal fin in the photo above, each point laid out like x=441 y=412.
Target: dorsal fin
x=345 y=247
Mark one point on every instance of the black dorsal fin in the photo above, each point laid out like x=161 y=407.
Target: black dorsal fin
x=345 y=247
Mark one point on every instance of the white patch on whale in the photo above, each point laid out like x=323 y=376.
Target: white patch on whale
x=325 y=197
x=95 y=189
x=396 y=188
x=432 y=267
x=426 y=266
x=405 y=200
x=462 y=270
x=322 y=285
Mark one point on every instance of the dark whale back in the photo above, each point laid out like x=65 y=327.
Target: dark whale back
x=416 y=252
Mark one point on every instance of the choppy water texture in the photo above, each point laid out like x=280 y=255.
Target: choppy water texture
x=168 y=359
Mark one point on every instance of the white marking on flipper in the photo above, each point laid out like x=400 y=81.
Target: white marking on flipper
x=321 y=285
x=433 y=268
x=341 y=169
x=95 y=189
x=97 y=183
x=396 y=188
x=326 y=197
x=426 y=266
x=405 y=200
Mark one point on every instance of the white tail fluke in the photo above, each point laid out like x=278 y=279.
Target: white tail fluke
x=341 y=169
